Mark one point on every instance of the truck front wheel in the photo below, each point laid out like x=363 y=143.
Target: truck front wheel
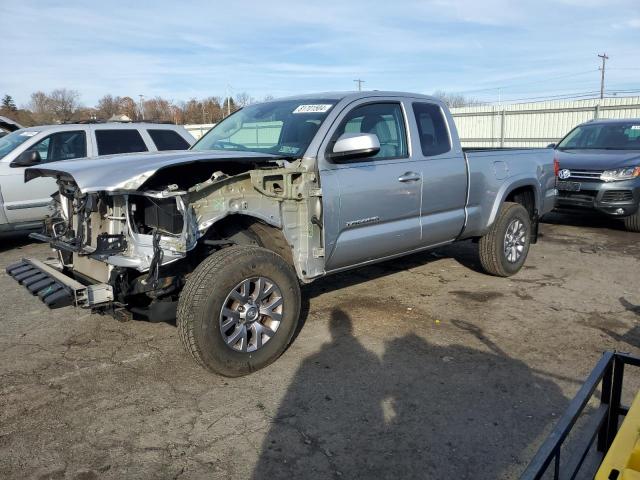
x=239 y=310
x=504 y=249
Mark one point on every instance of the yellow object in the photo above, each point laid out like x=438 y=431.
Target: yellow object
x=624 y=453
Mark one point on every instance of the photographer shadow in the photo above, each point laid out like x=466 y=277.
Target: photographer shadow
x=420 y=411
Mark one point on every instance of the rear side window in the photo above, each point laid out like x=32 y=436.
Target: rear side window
x=168 y=140
x=432 y=128
x=119 y=141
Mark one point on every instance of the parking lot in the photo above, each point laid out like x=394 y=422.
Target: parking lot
x=419 y=367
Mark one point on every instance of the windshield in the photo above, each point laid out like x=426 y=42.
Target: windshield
x=283 y=128
x=10 y=142
x=603 y=136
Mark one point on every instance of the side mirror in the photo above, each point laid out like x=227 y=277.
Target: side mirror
x=355 y=145
x=551 y=145
x=27 y=159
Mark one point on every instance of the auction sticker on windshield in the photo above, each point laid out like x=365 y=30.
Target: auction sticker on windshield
x=318 y=108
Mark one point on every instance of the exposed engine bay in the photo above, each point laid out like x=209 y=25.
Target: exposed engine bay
x=144 y=243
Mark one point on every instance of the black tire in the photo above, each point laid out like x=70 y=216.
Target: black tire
x=632 y=222
x=492 y=246
x=202 y=299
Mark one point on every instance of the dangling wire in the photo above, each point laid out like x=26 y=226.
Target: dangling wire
x=156 y=261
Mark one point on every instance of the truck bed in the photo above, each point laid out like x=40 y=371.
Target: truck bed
x=496 y=172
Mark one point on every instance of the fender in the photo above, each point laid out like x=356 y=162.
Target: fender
x=284 y=198
x=506 y=188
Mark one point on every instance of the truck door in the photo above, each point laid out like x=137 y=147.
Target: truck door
x=436 y=149
x=371 y=205
x=29 y=202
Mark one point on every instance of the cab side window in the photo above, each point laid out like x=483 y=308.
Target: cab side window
x=168 y=140
x=432 y=128
x=119 y=141
x=386 y=121
x=62 y=146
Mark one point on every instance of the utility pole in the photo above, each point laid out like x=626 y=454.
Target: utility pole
x=228 y=100
x=359 y=82
x=604 y=60
x=204 y=115
x=141 y=106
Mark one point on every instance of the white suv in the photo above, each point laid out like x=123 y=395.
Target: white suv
x=23 y=207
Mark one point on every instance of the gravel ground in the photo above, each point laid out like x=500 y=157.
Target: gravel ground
x=421 y=367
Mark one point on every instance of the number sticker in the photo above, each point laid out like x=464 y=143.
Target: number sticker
x=319 y=108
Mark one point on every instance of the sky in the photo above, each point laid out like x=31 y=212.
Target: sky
x=491 y=50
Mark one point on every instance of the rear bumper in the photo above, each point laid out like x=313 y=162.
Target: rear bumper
x=618 y=199
x=55 y=288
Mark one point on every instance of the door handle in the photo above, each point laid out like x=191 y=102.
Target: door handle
x=409 y=177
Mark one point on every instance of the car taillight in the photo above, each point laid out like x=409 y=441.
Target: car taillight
x=556 y=166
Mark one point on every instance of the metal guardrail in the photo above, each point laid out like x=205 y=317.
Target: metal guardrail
x=602 y=426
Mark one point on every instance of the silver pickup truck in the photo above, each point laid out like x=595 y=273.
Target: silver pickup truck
x=278 y=194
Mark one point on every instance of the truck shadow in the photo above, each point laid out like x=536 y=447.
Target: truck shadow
x=578 y=218
x=465 y=253
x=9 y=241
x=419 y=410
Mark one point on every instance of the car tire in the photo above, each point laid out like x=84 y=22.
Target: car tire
x=503 y=250
x=236 y=281
x=632 y=222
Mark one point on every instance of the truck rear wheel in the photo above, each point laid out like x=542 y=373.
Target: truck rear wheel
x=239 y=310
x=632 y=223
x=504 y=249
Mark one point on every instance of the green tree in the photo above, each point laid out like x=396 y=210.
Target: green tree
x=8 y=104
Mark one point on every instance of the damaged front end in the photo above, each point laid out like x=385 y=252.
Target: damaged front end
x=129 y=249
x=120 y=241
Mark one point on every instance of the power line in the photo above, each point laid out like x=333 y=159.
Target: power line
x=545 y=80
x=359 y=82
x=569 y=96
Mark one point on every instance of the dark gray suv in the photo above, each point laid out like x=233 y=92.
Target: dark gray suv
x=600 y=169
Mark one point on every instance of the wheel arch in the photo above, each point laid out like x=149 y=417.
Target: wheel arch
x=523 y=190
x=250 y=229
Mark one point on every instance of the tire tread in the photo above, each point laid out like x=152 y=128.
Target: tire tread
x=632 y=223
x=487 y=250
x=195 y=292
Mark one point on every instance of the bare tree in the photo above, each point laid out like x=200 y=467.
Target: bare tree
x=192 y=111
x=213 y=109
x=228 y=106
x=129 y=108
x=57 y=107
x=84 y=114
x=455 y=99
x=243 y=99
x=40 y=106
x=158 y=109
x=64 y=103
x=108 y=106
